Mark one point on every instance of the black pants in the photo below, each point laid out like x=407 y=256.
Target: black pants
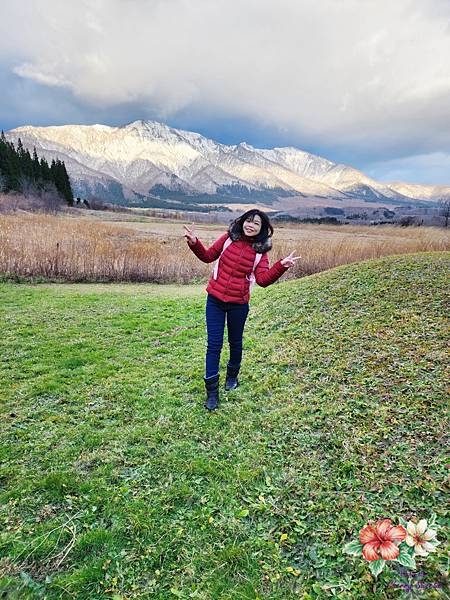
x=236 y=315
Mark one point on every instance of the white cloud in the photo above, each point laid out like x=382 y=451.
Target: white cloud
x=46 y=75
x=372 y=74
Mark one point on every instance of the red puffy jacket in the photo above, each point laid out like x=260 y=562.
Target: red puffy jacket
x=235 y=264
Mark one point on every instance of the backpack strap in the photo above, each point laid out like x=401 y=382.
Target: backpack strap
x=228 y=241
x=252 y=278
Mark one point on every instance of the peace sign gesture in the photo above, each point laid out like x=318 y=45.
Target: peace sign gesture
x=189 y=234
x=289 y=261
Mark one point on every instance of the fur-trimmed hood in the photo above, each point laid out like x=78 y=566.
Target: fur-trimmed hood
x=259 y=247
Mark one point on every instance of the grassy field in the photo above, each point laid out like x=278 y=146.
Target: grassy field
x=116 y=483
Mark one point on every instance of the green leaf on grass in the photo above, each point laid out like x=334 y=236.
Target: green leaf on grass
x=353 y=548
x=405 y=557
x=432 y=521
x=376 y=566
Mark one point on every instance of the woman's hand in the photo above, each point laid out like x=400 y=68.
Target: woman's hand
x=289 y=261
x=189 y=234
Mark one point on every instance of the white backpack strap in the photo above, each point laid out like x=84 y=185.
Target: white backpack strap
x=228 y=241
x=258 y=257
x=252 y=277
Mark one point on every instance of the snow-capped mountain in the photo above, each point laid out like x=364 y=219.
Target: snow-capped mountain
x=147 y=159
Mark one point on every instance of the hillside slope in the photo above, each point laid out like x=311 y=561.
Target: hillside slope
x=115 y=482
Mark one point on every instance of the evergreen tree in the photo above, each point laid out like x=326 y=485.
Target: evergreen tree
x=27 y=165
x=36 y=166
x=20 y=148
x=68 y=194
x=15 y=168
x=4 y=165
x=9 y=166
x=45 y=170
x=19 y=170
x=61 y=180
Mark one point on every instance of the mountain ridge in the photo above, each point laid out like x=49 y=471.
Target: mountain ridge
x=147 y=159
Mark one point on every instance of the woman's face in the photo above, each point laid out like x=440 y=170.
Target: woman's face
x=252 y=225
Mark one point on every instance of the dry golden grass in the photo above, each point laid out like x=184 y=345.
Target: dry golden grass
x=326 y=246
x=71 y=249
x=55 y=247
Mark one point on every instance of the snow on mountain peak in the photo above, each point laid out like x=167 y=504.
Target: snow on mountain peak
x=245 y=146
x=145 y=153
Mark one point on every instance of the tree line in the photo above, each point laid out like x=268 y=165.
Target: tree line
x=20 y=171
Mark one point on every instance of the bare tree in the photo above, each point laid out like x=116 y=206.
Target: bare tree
x=51 y=202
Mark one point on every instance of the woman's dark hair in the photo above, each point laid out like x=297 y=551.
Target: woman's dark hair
x=266 y=225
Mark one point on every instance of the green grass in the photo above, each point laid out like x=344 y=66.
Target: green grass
x=116 y=483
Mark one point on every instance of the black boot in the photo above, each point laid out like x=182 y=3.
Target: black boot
x=212 y=390
x=232 y=382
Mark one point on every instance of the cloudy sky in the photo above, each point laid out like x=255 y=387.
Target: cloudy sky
x=363 y=82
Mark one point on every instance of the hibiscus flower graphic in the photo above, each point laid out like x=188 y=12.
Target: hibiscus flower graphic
x=421 y=538
x=381 y=540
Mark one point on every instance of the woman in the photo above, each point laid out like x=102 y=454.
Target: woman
x=241 y=260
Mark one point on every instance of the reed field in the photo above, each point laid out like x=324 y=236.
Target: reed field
x=65 y=247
